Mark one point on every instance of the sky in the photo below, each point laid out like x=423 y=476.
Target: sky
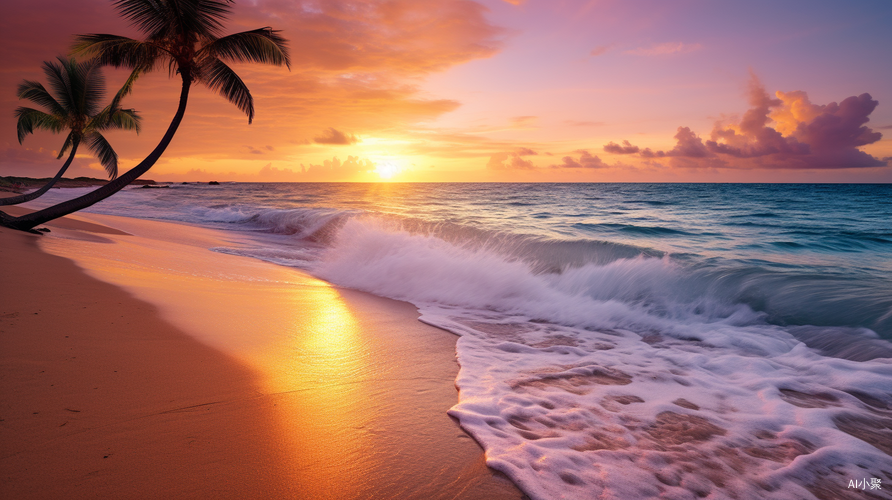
x=501 y=90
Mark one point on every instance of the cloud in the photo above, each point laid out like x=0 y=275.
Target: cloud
x=523 y=121
x=511 y=161
x=270 y=173
x=626 y=149
x=586 y=160
x=408 y=36
x=335 y=169
x=332 y=136
x=786 y=131
x=515 y=2
x=688 y=145
x=752 y=137
x=664 y=49
x=648 y=153
x=600 y=50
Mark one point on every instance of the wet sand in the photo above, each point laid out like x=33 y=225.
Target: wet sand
x=167 y=369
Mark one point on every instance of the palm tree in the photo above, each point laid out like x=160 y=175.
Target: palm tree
x=79 y=88
x=185 y=37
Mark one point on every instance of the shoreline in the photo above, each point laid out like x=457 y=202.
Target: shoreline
x=363 y=413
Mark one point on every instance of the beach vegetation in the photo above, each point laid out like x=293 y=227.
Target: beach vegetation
x=79 y=88
x=186 y=38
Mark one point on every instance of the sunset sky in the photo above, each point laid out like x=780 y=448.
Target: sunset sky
x=503 y=90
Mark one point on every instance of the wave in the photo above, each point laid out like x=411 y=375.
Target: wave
x=587 y=282
x=655 y=283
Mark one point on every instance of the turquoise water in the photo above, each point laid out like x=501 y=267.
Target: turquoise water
x=802 y=254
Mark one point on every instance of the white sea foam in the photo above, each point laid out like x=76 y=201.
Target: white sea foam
x=602 y=382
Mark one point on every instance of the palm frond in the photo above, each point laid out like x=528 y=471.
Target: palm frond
x=29 y=119
x=123 y=119
x=148 y=16
x=75 y=82
x=222 y=79
x=106 y=154
x=125 y=89
x=94 y=86
x=202 y=17
x=60 y=83
x=118 y=51
x=36 y=93
x=263 y=45
x=69 y=141
x=167 y=18
x=106 y=118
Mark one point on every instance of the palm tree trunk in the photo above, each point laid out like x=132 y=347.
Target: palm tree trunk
x=22 y=198
x=28 y=221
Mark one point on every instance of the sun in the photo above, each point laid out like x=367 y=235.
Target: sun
x=387 y=170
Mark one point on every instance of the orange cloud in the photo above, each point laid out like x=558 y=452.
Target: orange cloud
x=510 y=161
x=335 y=169
x=405 y=36
x=523 y=121
x=586 y=160
x=332 y=136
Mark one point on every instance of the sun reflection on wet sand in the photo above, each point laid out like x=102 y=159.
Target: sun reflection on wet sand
x=322 y=362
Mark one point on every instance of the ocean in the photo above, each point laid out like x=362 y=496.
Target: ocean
x=616 y=340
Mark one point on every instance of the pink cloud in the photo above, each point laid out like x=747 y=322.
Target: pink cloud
x=782 y=132
x=600 y=50
x=664 y=49
x=688 y=145
x=626 y=149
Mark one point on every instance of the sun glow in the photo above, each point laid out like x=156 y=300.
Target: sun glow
x=387 y=169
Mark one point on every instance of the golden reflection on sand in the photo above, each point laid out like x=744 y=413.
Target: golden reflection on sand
x=296 y=331
x=354 y=388
x=321 y=370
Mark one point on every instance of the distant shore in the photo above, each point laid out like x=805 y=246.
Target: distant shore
x=14 y=184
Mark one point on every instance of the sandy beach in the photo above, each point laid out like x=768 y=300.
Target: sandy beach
x=135 y=363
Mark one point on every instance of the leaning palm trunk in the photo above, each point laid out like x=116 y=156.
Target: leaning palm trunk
x=15 y=200
x=29 y=221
